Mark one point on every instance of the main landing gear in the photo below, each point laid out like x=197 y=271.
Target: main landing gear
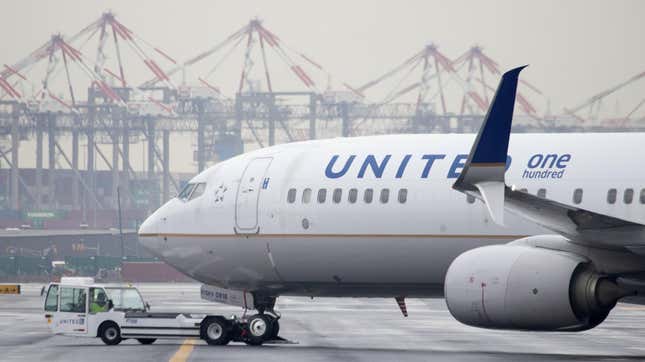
x=253 y=330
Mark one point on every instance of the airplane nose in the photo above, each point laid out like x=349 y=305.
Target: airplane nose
x=150 y=226
x=155 y=224
x=149 y=232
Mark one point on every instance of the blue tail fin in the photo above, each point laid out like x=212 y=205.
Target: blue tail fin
x=483 y=173
x=491 y=145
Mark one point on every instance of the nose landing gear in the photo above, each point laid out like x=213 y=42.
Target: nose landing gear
x=259 y=329
x=264 y=326
x=254 y=330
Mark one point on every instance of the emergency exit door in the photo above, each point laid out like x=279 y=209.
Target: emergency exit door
x=248 y=194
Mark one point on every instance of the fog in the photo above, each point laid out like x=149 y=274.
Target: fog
x=575 y=48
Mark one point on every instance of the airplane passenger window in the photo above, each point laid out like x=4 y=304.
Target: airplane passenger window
x=368 y=195
x=353 y=196
x=186 y=191
x=628 y=196
x=642 y=196
x=322 y=196
x=403 y=196
x=291 y=196
x=337 y=196
x=306 y=196
x=611 y=196
x=385 y=196
x=198 y=191
x=577 y=196
x=470 y=199
x=541 y=193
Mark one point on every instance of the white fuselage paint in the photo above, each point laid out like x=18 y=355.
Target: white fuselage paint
x=242 y=233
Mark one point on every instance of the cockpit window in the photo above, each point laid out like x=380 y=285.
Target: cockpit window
x=198 y=191
x=192 y=191
x=185 y=193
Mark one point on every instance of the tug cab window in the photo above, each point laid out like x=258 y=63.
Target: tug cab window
x=73 y=300
x=51 y=302
x=126 y=299
x=98 y=300
x=642 y=196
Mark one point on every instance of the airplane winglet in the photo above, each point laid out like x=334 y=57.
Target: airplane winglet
x=484 y=170
x=493 y=195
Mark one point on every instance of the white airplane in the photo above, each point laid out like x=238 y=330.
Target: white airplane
x=386 y=216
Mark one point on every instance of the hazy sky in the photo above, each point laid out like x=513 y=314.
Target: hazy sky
x=575 y=48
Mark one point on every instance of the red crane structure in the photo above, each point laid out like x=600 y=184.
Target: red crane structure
x=432 y=64
x=105 y=86
x=445 y=89
x=61 y=54
x=475 y=68
x=258 y=101
x=257 y=42
x=52 y=103
x=593 y=109
x=468 y=71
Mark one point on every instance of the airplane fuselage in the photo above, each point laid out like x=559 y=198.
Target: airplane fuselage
x=375 y=216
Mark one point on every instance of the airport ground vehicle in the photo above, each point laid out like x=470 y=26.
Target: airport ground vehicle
x=79 y=307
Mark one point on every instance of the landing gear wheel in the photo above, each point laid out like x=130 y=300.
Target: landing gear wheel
x=259 y=329
x=215 y=331
x=146 y=340
x=110 y=334
x=275 y=328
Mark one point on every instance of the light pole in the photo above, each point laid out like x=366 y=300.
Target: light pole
x=118 y=203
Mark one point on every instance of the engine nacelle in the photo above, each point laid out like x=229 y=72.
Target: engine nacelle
x=527 y=288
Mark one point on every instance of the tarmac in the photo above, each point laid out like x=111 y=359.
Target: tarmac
x=338 y=329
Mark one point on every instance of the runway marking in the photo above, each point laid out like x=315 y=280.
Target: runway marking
x=184 y=351
x=632 y=308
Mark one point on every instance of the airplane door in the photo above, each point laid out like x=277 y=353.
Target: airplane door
x=248 y=195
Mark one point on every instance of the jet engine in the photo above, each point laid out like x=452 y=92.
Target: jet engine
x=528 y=288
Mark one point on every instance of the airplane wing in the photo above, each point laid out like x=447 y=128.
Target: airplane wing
x=483 y=178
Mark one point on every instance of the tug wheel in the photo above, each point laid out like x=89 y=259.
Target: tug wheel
x=215 y=331
x=110 y=333
x=146 y=340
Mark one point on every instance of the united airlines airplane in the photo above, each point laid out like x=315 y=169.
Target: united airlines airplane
x=544 y=232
